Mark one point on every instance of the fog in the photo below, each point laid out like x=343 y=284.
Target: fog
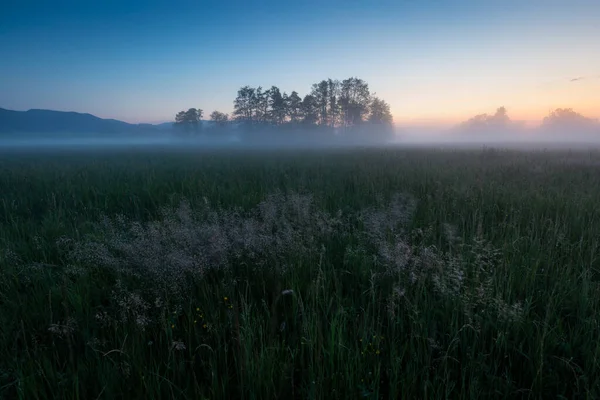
x=533 y=138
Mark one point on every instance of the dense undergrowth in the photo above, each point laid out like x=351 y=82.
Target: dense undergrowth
x=316 y=274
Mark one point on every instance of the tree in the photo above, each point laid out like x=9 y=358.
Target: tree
x=261 y=105
x=334 y=107
x=310 y=110
x=278 y=106
x=485 y=122
x=355 y=98
x=380 y=112
x=244 y=104
x=567 y=118
x=219 y=118
x=294 y=107
x=189 y=120
x=320 y=92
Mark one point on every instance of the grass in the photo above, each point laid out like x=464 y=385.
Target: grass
x=314 y=274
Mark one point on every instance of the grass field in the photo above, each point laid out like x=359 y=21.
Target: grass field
x=344 y=274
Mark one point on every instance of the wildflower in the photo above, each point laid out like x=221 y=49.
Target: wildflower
x=198 y=309
x=205 y=326
x=195 y=321
x=172 y=326
x=225 y=298
x=65 y=329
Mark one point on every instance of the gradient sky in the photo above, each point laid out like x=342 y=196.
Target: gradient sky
x=434 y=61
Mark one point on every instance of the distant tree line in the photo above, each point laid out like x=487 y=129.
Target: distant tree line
x=332 y=105
x=557 y=120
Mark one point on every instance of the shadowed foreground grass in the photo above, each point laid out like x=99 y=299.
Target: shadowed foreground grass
x=339 y=274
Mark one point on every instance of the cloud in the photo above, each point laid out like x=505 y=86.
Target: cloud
x=584 y=78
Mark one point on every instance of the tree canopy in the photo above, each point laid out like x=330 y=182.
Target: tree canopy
x=329 y=105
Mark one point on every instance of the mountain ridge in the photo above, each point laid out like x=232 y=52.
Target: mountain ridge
x=51 y=122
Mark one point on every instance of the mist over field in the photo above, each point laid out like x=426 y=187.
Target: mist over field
x=300 y=200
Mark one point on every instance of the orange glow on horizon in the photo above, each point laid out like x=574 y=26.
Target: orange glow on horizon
x=446 y=107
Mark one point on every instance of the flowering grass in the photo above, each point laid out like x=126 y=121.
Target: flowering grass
x=314 y=274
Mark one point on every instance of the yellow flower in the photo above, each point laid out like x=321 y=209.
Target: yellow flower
x=172 y=326
x=197 y=308
x=225 y=298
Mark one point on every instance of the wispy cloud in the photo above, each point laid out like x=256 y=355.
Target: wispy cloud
x=584 y=78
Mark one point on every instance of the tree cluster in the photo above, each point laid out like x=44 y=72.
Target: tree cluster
x=486 y=122
x=561 y=120
x=331 y=104
x=566 y=117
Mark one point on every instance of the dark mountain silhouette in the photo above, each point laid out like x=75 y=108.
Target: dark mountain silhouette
x=59 y=123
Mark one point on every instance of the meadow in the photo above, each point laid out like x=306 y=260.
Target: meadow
x=365 y=273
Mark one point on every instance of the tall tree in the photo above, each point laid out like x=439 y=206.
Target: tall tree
x=320 y=92
x=261 y=105
x=244 y=104
x=278 y=106
x=294 y=107
x=310 y=110
x=355 y=99
x=334 y=108
x=380 y=112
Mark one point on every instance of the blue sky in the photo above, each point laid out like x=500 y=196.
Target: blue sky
x=436 y=61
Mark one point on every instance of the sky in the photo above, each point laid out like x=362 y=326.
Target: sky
x=436 y=62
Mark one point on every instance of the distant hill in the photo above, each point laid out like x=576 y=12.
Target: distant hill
x=59 y=123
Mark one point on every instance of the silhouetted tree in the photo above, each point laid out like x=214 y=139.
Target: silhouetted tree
x=334 y=107
x=380 y=112
x=278 y=106
x=355 y=98
x=244 y=104
x=219 y=118
x=261 y=105
x=320 y=92
x=189 y=120
x=310 y=110
x=294 y=107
